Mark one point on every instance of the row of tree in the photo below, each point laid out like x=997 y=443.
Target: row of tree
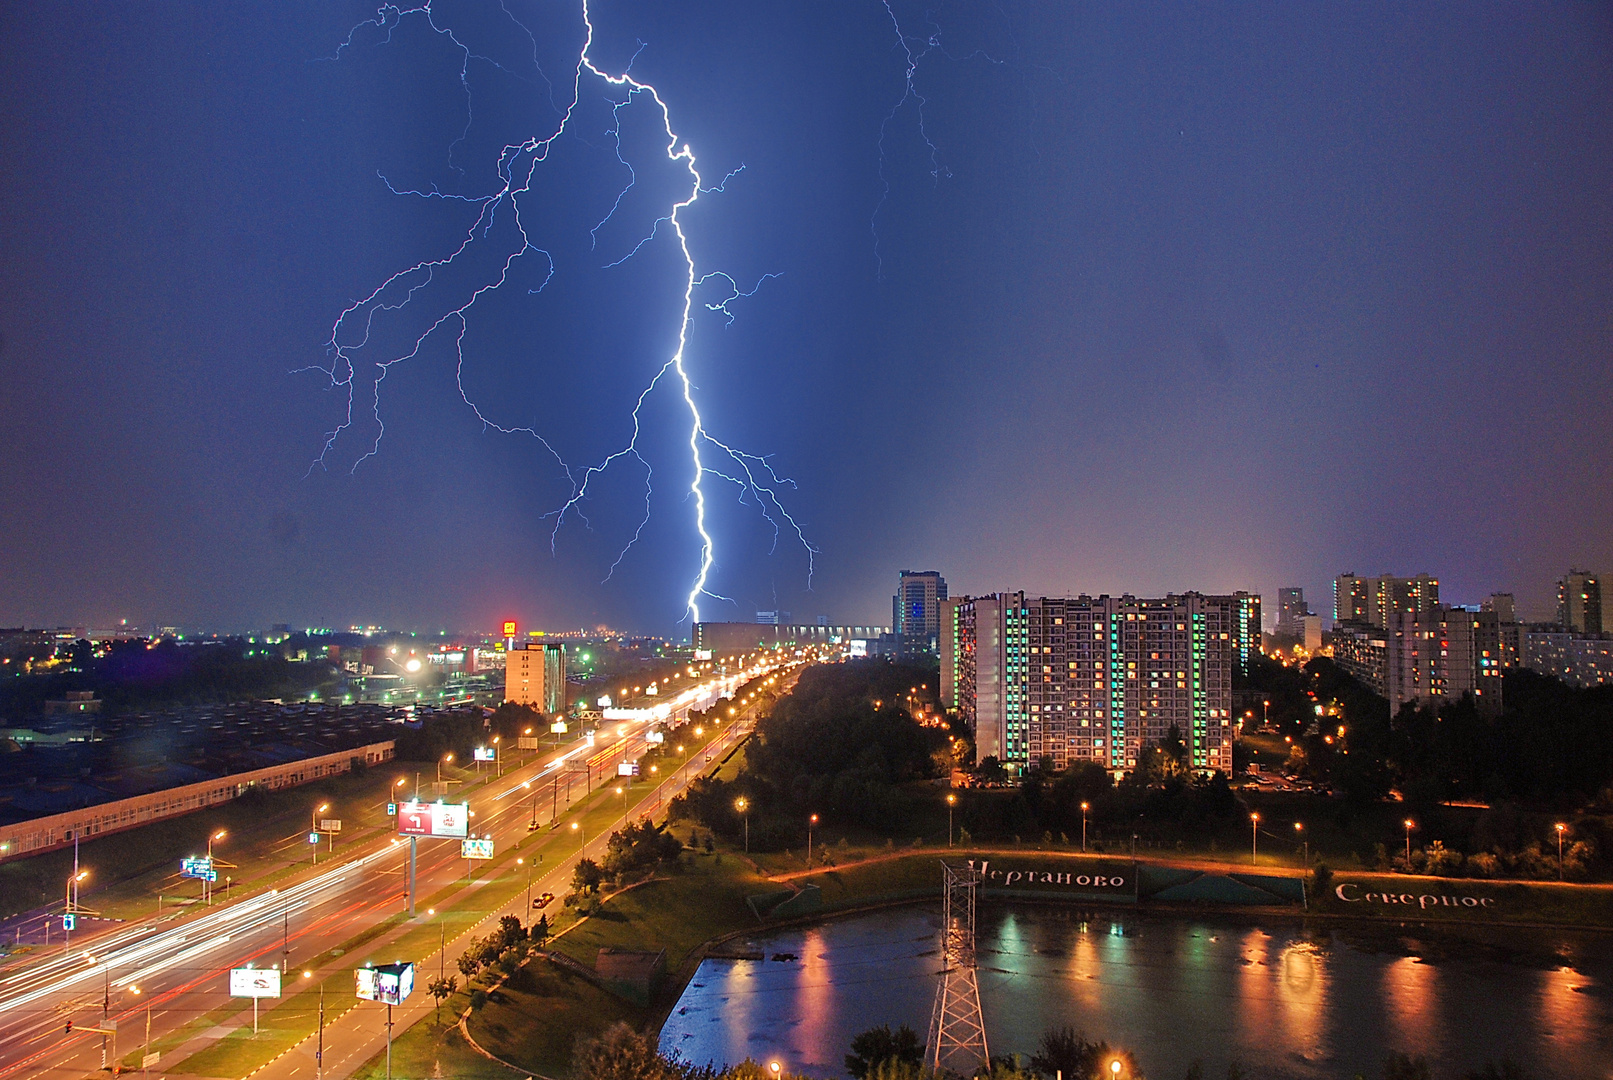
x=840 y=745
x=621 y=1053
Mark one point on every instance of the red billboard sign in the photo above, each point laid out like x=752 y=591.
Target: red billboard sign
x=450 y=820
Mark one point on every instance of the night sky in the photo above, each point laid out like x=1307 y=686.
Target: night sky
x=1185 y=296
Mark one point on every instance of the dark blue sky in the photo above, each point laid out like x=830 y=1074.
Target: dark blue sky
x=1210 y=297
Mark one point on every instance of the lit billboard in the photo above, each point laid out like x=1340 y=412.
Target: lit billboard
x=476 y=848
x=389 y=984
x=449 y=820
x=255 y=982
x=509 y=628
x=484 y=753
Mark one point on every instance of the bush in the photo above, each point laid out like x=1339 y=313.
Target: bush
x=478 y=998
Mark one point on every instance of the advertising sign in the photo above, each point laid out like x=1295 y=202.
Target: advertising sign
x=527 y=742
x=627 y=768
x=330 y=824
x=655 y=737
x=476 y=849
x=389 y=984
x=255 y=982
x=558 y=727
x=484 y=753
x=509 y=627
x=450 y=820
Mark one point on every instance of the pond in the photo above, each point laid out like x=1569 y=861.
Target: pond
x=1284 y=999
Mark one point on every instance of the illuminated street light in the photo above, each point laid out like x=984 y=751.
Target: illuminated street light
x=1085 y=806
x=1299 y=827
x=1561 y=828
x=1409 y=826
x=743 y=807
x=1254 y=836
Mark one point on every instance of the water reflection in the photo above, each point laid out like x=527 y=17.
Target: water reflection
x=1172 y=990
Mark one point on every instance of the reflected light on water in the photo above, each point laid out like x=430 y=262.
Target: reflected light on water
x=1254 y=984
x=1302 y=994
x=1085 y=969
x=1410 y=995
x=815 y=999
x=1568 y=1009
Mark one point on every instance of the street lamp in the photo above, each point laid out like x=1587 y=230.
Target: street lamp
x=1084 y=808
x=1561 y=828
x=447 y=758
x=576 y=827
x=813 y=820
x=622 y=791
x=1299 y=827
x=1114 y=1067
x=1410 y=824
x=742 y=806
x=522 y=862
x=320 y=809
x=775 y=1068
x=655 y=770
x=952 y=800
x=1254 y=836
x=207 y=887
x=145 y=1055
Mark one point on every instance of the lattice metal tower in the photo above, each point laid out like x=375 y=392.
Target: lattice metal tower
x=957 y=1040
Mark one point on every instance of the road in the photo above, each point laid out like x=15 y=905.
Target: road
x=182 y=969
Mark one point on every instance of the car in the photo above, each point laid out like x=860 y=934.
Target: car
x=543 y=901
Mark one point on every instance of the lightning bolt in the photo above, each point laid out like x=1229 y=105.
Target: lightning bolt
x=499 y=213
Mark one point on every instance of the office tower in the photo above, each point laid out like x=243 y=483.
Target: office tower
x=778 y=618
x=1291 y=610
x=1579 y=602
x=1097 y=678
x=916 y=610
x=1372 y=600
x=535 y=675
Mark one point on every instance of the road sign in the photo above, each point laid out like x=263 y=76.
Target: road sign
x=255 y=982
x=313 y=838
x=476 y=849
x=391 y=809
x=484 y=753
x=389 y=984
x=330 y=824
x=69 y=921
x=449 y=820
x=197 y=868
x=149 y=1060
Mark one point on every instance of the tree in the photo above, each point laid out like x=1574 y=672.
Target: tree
x=442 y=989
x=539 y=931
x=881 y=1044
x=468 y=965
x=587 y=877
x=620 y=1053
x=1406 y=1067
x=1067 y=1051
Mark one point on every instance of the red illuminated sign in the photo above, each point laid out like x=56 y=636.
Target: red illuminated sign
x=509 y=627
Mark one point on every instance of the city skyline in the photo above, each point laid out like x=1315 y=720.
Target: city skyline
x=1243 y=308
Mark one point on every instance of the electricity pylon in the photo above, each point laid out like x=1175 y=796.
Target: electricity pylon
x=957 y=1041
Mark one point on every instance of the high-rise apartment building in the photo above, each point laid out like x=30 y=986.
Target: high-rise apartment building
x=1428 y=658
x=1291 y=608
x=916 y=610
x=1373 y=600
x=1097 y=678
x=1579 y=602
x=535 y=675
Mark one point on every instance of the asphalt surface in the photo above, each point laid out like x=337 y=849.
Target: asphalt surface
x=181 y=965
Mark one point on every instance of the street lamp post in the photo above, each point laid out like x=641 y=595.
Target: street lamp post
x=1409 y=825
x=813 y=820
x=655 y=770
x=1084 y=808
x=320 y=809
x=520 y=862
x=743 y=807
x=207 y=886
x=952 y=800
x=1299 y=827
x=1254 y=838
x=576 y=827
x=1561 y=828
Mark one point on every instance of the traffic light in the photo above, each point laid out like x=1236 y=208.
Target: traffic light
x=69 y=1030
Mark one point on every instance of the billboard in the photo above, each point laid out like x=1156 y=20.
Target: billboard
x=255 y=982
x=450 y=820
x=196 y=868
x=654 y=737
x=330 y=824
x=627 y=768
x=483 y=753
x=509 y=628
x=389 y=984
x=526 y=742
x=476 y=848
x=558 y=727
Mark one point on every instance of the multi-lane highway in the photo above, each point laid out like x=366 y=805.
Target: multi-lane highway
x=181 y=969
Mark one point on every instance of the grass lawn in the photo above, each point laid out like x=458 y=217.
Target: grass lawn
x=535 y=1019
x=430 y=1049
